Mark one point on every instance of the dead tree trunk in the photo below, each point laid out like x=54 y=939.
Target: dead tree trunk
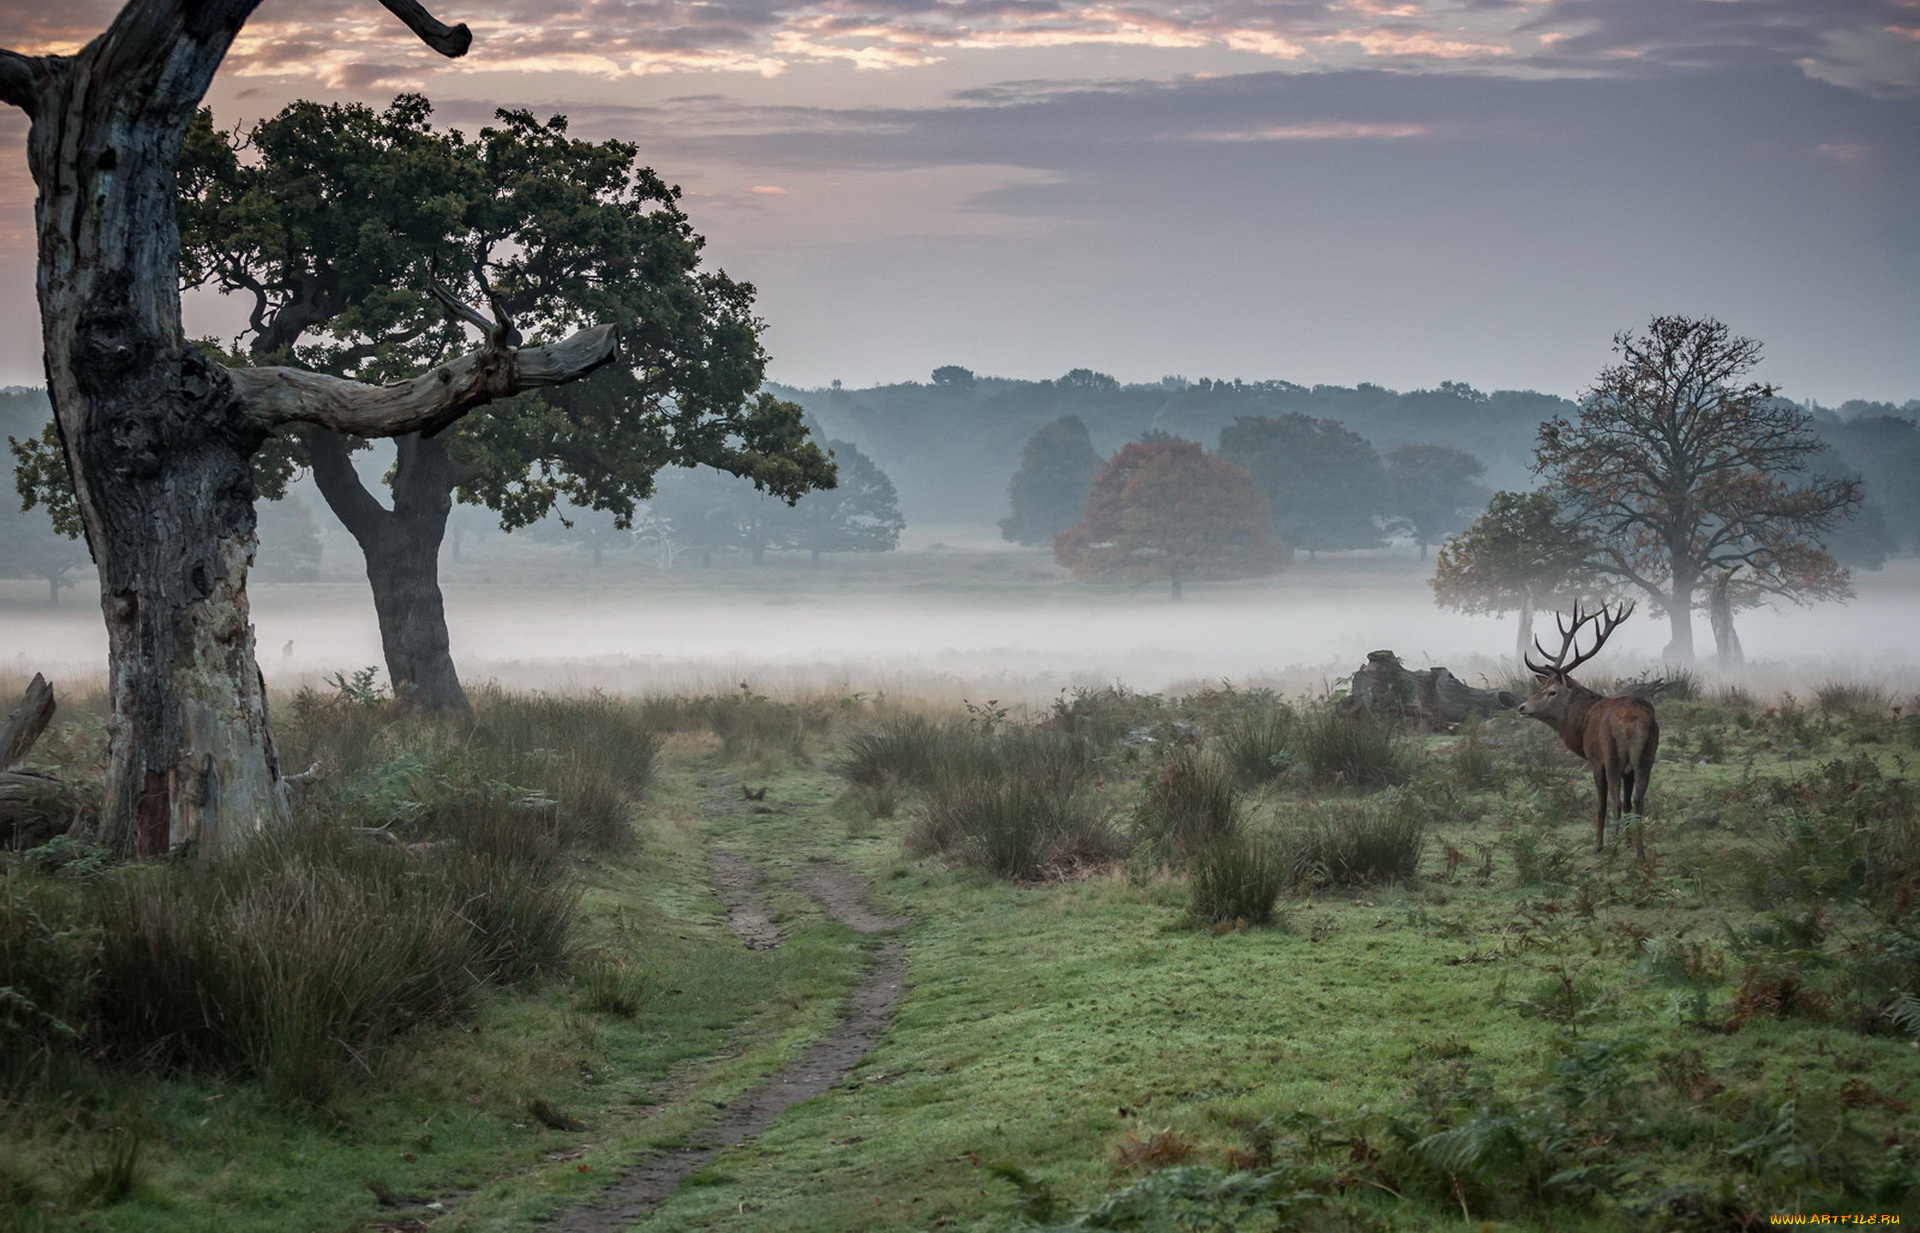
x=33 y=807
x=158 y=439
x=1433 y=696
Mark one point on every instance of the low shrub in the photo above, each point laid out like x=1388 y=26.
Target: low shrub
x=1107 y=715
x=1850 y=699
x=1236 y=881
x=1472 y=760
x=1014 y=801
x=1188 y=805
x=1356 y=843
x=1350 y=749
x=45 y=948
x=1019 y=826
x=610 y=987
x=902 y=748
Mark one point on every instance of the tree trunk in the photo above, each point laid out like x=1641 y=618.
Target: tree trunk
x=1679 y=649
x=156 y=438
x=402 y=551
x=1523 y=637
x=1726 y=642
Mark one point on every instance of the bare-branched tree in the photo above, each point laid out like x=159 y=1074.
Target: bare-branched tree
x=1690 y=477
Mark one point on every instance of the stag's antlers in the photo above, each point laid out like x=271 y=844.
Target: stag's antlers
x=1605 y=621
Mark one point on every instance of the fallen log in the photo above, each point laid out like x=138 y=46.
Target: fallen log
x=1433 y=696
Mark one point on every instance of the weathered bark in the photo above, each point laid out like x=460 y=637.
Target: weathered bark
x=158 y=439
x=402 y=551
x=26 y=723
x=33 y=807
x=1433 y=696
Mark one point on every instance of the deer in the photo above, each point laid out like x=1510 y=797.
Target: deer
x=1616 y=736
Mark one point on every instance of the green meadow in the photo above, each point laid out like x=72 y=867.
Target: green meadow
x=1226 y=960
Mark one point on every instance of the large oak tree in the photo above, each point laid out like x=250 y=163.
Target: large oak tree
x=159 y=438
x=1695 y=482
x=338 y=271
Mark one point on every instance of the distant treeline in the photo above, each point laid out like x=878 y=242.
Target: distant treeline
x=952 y=443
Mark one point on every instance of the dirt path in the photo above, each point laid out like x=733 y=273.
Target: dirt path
x=736 y=881
x=825 y=1063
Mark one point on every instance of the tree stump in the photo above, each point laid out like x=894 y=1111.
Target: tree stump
x=1432 y=696
x=33 y=807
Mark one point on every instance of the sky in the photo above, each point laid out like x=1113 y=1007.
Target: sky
x=1323 y=191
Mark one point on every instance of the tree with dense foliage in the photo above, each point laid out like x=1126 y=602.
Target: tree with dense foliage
x=1323 y=483
x=860 y=513
x=1884 y=448
x=1049 y=491
x=1165 y=511
x=1696 y=483
x=1524 y=553
x=340 y=272
x=159 y=438
x=1433 y=490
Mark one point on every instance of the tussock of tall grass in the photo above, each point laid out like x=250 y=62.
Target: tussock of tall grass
x=1355 y=842
x=1016 y=802
x=293 y=961
x=1187 y=806
x=1352 y=750
x=1850 y=699
x=582 y=761
x=429 y=859
x=1237 y=880
x=1257 y=743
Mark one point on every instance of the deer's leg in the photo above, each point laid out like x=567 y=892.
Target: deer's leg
x=1600 y=824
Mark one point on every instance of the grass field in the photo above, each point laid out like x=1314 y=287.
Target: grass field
x=1502 y=1026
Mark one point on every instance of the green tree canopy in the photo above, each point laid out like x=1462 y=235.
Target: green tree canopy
x=860 y=513
x=1323 y=483
x=1165 y=511
x=1433 y=489
x=1525 y=552
x=1049 y=491
x=347 y=276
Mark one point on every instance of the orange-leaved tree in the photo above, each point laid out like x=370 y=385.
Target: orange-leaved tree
x=1164 y=510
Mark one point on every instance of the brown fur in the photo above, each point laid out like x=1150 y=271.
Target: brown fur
x=1618 y=738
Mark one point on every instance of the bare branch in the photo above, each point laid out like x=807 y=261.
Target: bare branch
x=449 y=41
x=20 y=80
x=498 y=332
x=425 y=404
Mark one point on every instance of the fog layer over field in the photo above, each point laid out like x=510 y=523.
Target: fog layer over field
x=958 y=616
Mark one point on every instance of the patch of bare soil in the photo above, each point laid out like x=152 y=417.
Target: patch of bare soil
x=736 y=882
x=825 y=1063
x=843 y=897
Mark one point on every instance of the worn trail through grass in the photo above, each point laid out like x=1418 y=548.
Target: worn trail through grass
x=868 y=1013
